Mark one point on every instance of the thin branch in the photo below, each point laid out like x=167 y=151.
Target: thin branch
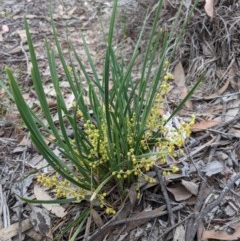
x=166 y=197
x=198 y=218
x=101 y=232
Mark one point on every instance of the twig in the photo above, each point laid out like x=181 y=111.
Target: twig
x=174 y=226
x=101 y=232
x=88 y=225
x=214 y=148
x=151 y=231
x=197 y=208
x=214 y=129
x=198 y=218
x=166 y=197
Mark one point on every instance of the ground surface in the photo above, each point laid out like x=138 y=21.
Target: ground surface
x=202 y=202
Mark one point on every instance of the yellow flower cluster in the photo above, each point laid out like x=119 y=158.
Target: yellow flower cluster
x=110 y=211
x=63 y=188
x=178 y=136
x=99 y=144
x=131 y=124
x=155 y=120
x=139 y=165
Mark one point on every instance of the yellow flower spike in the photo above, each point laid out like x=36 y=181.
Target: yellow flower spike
x=153 y=181
x=134 y=160
x=167 y=63
x=40 y=178
x=164 y=173
x=138 y=195
x=79 y=114
x=165 y=78
x=131 y=150
x=175 y=169
x=128 y=172
x=170 y=76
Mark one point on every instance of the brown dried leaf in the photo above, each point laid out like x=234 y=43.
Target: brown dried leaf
x=187 y=3
x=179 y=234
x=132 y=194
x=204 y=125
x=180 y=80
x=179 y=75
x=191 y=187
x=13 y=230
x=207 y=49
x=213 y=168
x=235 y=132
x=235 y=81
x=5 y=29
x=22 y=35
x=222 y=234
x=209 y=7
x=233 y=109
x=41 y=194
x=41 y=221
x=179 y=192
x=96 y=218
x=218 y=92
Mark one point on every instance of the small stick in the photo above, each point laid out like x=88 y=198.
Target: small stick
x=198 y=218
x=174 y=226
x=101 y=232
x=166 y=197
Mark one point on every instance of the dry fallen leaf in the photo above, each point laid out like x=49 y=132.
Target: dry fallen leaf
x=187 y=3
x=191 y=187
x=179 y=75
x=179 y=192
x=5 y=29
x=97 y=218
x=204 y=125
x=22 y=34
x=213 y=168
x=179 y=234
x=13 y=230
x=41 y=194
x=218 y=92
x=235 y=132
x=41 y=221
x=223 y=234
x=132 y=194
x=180 y=80
x=232 y=110
x=209 y=7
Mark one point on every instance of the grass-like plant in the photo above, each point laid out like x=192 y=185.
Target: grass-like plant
x=118 y=137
